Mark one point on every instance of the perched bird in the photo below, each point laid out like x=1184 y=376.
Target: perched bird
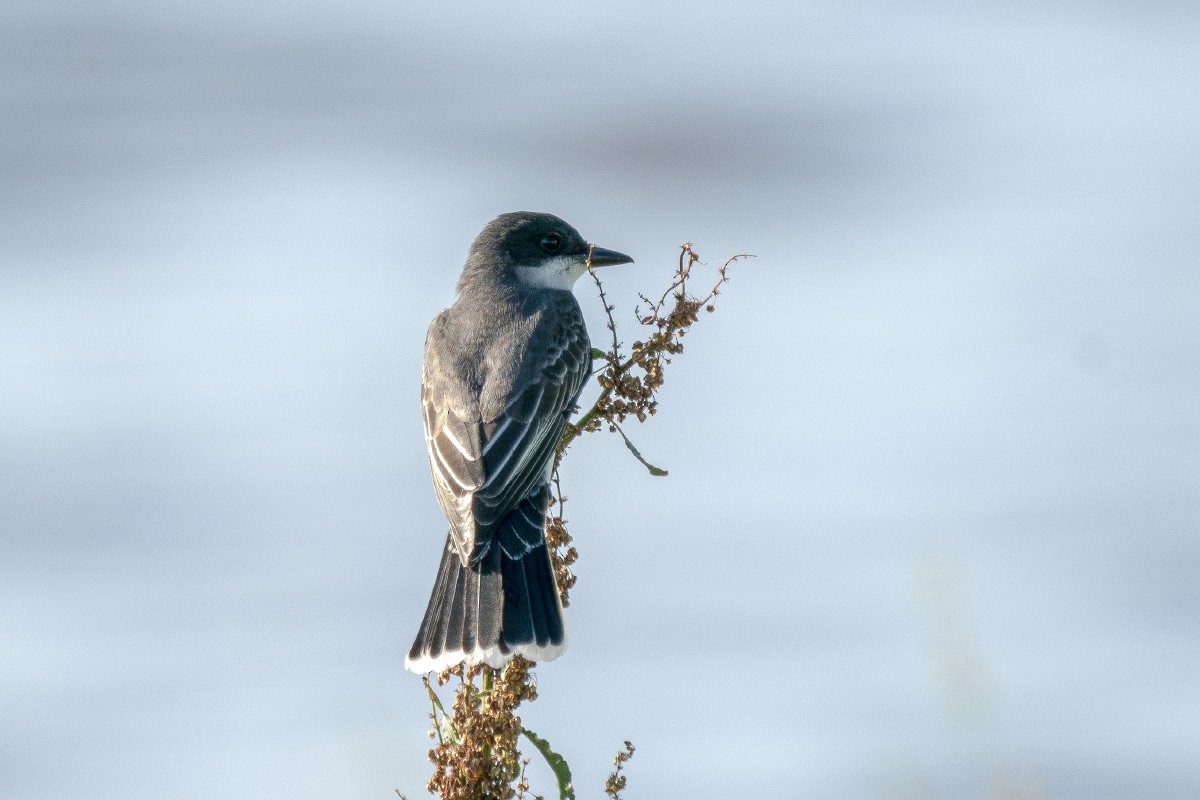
x=503 y=370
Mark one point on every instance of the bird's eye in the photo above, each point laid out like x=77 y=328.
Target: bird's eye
x=551 y=242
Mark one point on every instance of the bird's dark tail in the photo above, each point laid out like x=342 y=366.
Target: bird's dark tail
x=506 y=604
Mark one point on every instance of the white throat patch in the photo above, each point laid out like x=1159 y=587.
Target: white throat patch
x=560 y=272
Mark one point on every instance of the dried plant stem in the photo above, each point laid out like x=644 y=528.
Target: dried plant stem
x=629 y=386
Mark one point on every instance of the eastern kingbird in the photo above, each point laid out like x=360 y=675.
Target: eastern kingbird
x=503 y=369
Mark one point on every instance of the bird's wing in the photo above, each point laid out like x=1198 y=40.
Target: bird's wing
x=520 y=436
x=454 y=439
x=489 y=457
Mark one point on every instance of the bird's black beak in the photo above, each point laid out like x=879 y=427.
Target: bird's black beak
x=602 y=257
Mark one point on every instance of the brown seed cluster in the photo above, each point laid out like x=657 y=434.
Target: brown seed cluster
x=629 y=385
x=562 y=553
x=616 y=781
x=476 y=757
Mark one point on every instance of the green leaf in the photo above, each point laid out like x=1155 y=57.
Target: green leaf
x=658 y=472
x=444 y=722
x=596 y=353
x=562 y=770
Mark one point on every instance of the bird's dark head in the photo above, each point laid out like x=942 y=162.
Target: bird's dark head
x=536 y=249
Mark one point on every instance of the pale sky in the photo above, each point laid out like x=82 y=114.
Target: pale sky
x=931 y=522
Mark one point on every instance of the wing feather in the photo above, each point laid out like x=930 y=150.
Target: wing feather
x=484 y=464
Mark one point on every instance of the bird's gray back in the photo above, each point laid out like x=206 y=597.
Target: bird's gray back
x=502 y=371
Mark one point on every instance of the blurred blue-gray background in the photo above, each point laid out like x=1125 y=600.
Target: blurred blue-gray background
x=931 y=523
